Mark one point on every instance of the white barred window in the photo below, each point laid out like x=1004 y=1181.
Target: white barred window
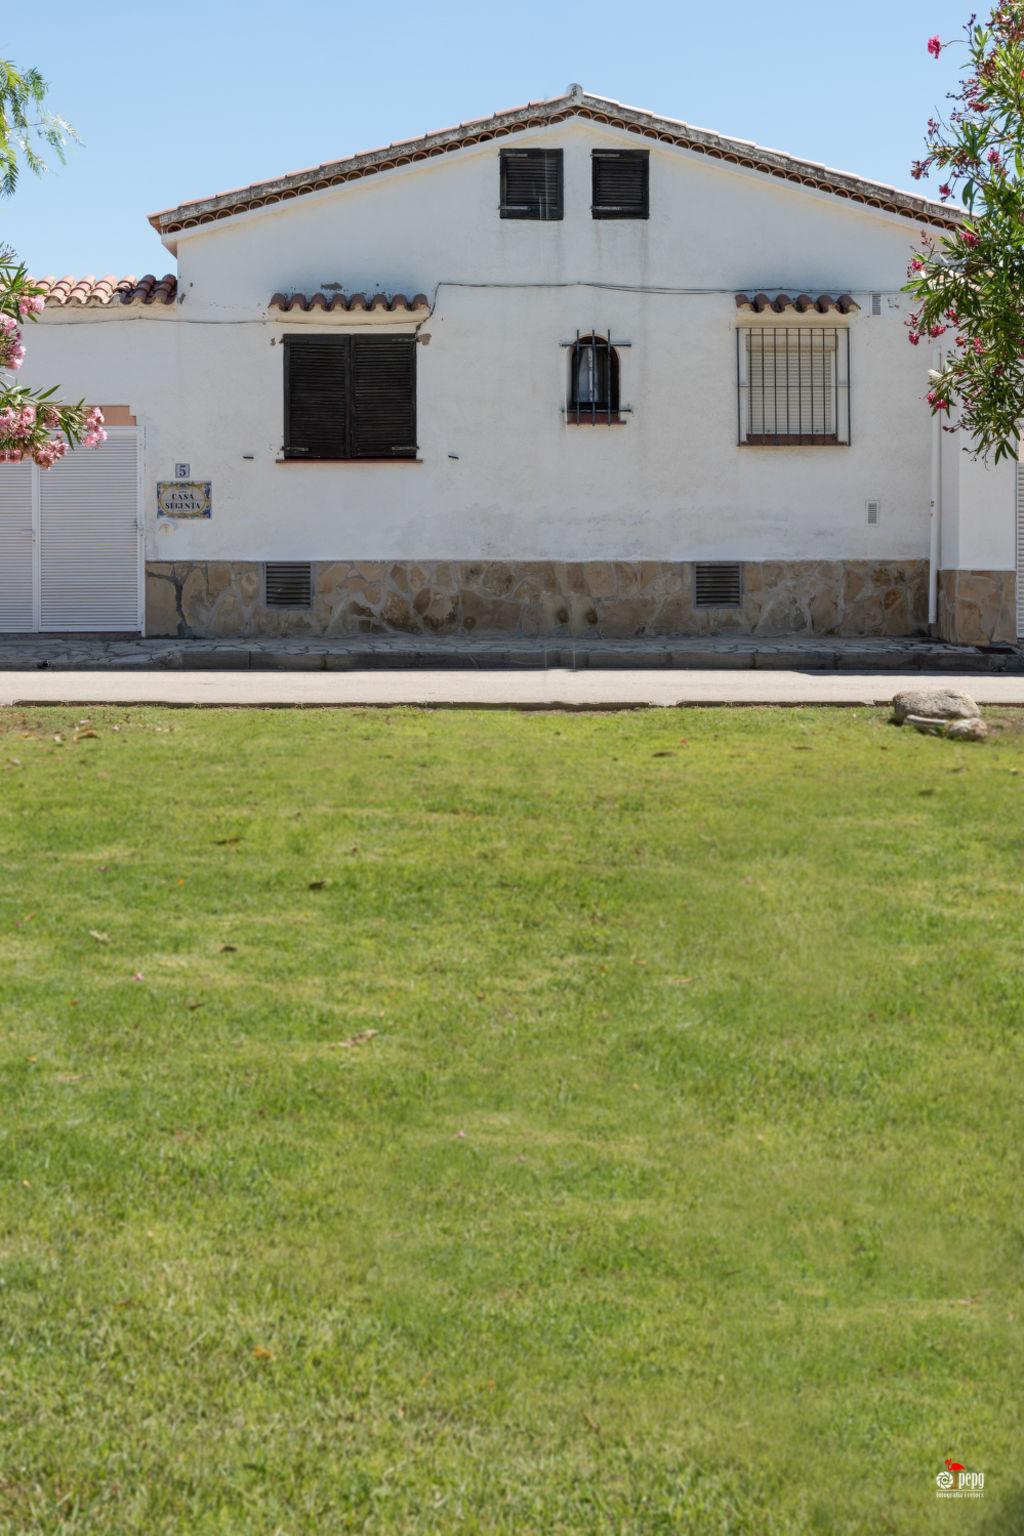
x=794 y=385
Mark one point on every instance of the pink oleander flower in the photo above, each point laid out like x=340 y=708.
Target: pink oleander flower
x=994 y=158
x=945 y=190
x=913 y=338
x=934 y=46
x=937 y=330
x=968 y=237
x=30 y=304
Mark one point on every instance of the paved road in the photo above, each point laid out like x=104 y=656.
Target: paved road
x=512 y=690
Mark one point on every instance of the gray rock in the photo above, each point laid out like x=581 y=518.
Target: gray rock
x=967 y=730
x=934 y=704
x=959 y=730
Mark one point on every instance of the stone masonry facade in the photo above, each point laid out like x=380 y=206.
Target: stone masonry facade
x=978 y=607
x=523 y=599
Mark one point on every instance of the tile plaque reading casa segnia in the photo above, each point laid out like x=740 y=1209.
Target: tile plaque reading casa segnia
x=183 y=498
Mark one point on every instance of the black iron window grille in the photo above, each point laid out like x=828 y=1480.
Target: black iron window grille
x=793 y=385
x=531 y=184
x=620 y=181
x=593 y=393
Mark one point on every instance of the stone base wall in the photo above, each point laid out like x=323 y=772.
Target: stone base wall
x=978 y=607
x=538 y=598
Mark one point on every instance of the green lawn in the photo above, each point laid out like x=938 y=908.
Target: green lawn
x=678 y=1190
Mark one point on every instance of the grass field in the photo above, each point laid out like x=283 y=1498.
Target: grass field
x=678 y=1190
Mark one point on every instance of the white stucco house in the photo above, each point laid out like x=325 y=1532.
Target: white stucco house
x=573 y=369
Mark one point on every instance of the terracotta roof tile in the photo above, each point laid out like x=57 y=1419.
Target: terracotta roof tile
x=358 y=302
x=822 y=303
x=576 y=103
x=109 y=290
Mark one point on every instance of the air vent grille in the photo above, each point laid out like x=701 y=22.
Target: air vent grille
x=718 y=584
x=874 y=508
x=289 y=584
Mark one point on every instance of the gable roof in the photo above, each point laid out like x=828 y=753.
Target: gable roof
x=106 y=291
x=575 y=103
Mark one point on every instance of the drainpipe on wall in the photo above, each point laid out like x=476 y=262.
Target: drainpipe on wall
x=935 y=508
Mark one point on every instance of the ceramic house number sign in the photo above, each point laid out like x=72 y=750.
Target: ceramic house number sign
x=183 y=498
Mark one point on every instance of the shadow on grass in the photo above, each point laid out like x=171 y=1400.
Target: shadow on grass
x=1006 y=1518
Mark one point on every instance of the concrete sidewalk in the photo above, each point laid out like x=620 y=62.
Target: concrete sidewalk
x=556 y=689
x=93 y=653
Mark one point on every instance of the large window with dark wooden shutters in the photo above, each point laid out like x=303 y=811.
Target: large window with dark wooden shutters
x=621 y=181
x=350 y=397
x=531 y=183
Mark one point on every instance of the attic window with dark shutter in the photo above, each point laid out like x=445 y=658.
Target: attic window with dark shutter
x=621 y=179
x=531 y=184
x=349 y=397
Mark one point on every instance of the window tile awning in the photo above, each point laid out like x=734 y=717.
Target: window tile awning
x=804 y=303
x=396 y=303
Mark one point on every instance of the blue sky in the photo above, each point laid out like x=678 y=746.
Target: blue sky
x=193 y=98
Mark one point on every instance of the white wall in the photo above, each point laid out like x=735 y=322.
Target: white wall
x=978 y=510
x=205 y=377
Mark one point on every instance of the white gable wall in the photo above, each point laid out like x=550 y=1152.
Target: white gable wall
x=712 y=225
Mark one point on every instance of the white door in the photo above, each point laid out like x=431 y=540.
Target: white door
x=82 y=566
x=17 y=547
x=1020 y=551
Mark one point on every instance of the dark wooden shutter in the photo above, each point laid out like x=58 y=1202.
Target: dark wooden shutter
x=531 y=183
x=383 y=410
x=620 y=183
x=316 y=397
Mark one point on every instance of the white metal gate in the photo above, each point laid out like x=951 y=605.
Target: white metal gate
x=71 y=540
x=1020 y=551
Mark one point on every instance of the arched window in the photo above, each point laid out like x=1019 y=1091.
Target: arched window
x=593 y=380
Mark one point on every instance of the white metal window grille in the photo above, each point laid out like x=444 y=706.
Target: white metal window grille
x=793 y=385
x=288 y=583
x=1020 y=551
x=717 y=584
